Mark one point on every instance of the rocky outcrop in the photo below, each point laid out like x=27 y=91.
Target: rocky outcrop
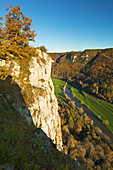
x=40 y=106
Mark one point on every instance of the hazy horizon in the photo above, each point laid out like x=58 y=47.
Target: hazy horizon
x=79 y=50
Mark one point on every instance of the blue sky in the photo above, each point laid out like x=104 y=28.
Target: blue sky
x=68 y=25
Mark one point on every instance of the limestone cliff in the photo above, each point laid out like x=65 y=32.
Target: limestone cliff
x=37 y=100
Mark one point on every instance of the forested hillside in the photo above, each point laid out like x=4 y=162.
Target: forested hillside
x=97 y=75
x=69 y=64
x=92 y=70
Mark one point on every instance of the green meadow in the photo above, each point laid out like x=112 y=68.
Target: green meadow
x=99 y=107
x=58 y=83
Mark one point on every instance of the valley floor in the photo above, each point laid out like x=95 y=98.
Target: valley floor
x=97 y=121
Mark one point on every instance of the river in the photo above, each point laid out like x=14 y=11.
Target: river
x=90 y=114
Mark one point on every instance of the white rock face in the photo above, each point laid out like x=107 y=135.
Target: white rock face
x=44 y=108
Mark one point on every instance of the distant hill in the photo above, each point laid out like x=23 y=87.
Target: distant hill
x=62 y=65
x=70 y=63
x=98 y=74
x=92 y=69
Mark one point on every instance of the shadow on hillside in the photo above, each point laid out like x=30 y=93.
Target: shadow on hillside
x=58 y=59
x=10 y=92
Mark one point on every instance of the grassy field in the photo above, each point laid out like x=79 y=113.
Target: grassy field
x=99 y=107
x=58 y=83
x=58 y=93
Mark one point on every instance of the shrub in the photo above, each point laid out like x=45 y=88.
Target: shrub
x=71 y=122
x=43 y=49
x=98 y=131
x=71 y=142
x=92 y=122
x=65 y=129
x=72 y=103
x=78 y=128
x=42 y=80
x=106 y=122
x=81 y=110
x=99 y=116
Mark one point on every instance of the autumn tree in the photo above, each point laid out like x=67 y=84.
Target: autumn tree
x=17 y=33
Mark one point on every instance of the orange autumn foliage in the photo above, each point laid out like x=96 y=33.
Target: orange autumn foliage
x=15 y=34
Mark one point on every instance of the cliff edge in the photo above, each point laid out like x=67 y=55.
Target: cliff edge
x=35 y=100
